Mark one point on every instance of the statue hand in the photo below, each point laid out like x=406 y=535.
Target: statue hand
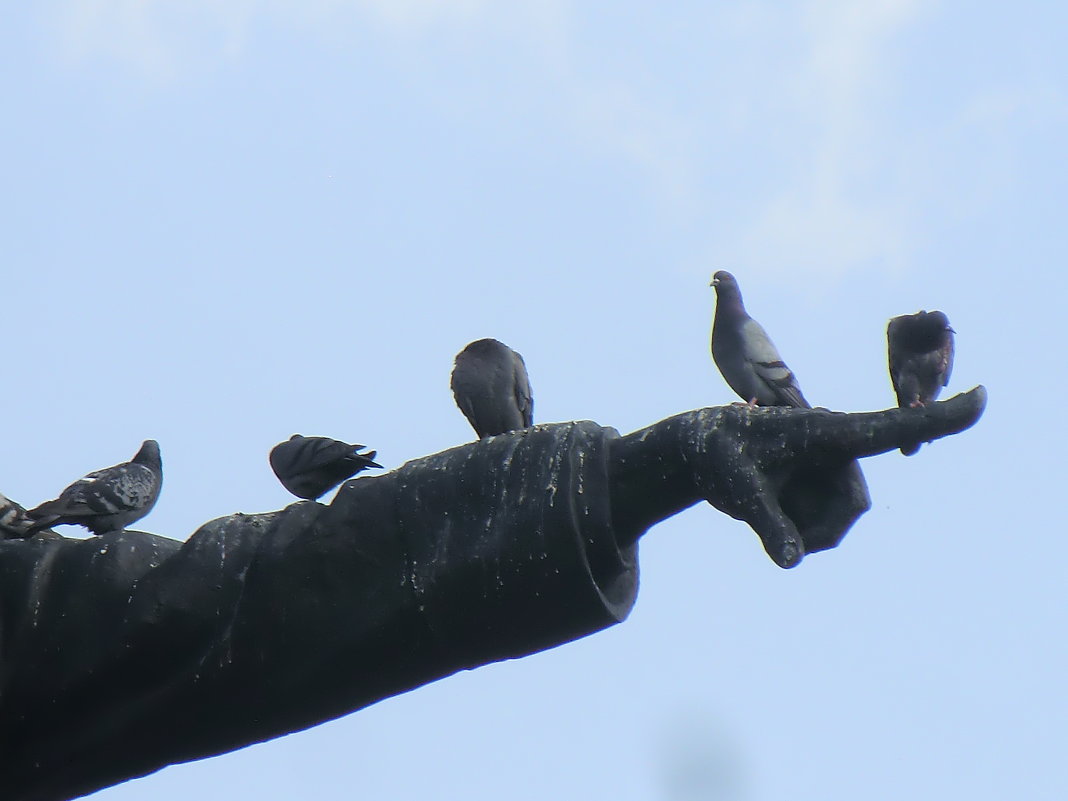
x=792 y=475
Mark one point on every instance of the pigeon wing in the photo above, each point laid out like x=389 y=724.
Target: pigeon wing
x=524 y=396
x=893 y=355
x=899 y=358
x=321 y=451
x=947 y=352
x=763 y=357
x=467 y=406
x=123 y=488
x=14 y=521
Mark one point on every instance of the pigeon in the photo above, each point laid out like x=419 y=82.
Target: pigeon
x=15 y=523
x=107 y=500
x=309 y=467
x=492 y=389
x=745 y=355
x=920 y=350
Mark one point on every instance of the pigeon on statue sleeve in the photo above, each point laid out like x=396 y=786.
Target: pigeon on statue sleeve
x=920 y=350
x=309 y=467
x=15 y=522
x=492 y=389
x=107 y=500
x=745 y=354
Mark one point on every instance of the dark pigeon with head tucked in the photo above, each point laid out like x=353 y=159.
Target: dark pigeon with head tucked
x=745 y=354
x=309 y=467
x=920 y=350
x=106 y=500
x=492 y=389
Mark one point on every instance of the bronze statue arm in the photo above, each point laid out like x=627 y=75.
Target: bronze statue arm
x=122 y=654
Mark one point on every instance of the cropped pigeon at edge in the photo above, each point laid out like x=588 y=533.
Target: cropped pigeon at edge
x=309 y=467
x=920 y=353
x=106 y=500
x=492 y=389
x=15 y=521
x=745 y=355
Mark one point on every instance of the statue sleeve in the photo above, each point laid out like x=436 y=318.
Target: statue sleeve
x=126 y=653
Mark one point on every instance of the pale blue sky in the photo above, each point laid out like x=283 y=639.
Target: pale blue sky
x=248 y=218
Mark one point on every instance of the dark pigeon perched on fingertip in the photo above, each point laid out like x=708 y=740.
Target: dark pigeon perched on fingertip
x=309 y=467
x=492 y=389
x=745 y=354
x=920 y=352
x=106 y=500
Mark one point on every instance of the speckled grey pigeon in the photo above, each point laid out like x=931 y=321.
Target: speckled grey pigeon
x=15 y=522
x=920 y=350
x=492 y=389
x=745 y=355
x=309 y=467
x=107 y=500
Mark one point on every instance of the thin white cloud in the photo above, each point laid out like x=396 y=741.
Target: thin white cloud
x=834 y=210
x=788 y=133
x=164 y=39
x=612 y=118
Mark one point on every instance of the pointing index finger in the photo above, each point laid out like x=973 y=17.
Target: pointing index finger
x=861 y=434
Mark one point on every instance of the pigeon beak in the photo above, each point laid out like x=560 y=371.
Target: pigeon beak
x=714 y=282
x=950 y=329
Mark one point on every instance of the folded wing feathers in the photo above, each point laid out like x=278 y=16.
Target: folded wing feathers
x=123 y=488
x=761 y=353
x=524 y=396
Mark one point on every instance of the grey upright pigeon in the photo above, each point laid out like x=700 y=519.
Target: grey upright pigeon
x=107 y=500
x=309 y=467
x=745 y=355
x=492 y=389
x=920 y=350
